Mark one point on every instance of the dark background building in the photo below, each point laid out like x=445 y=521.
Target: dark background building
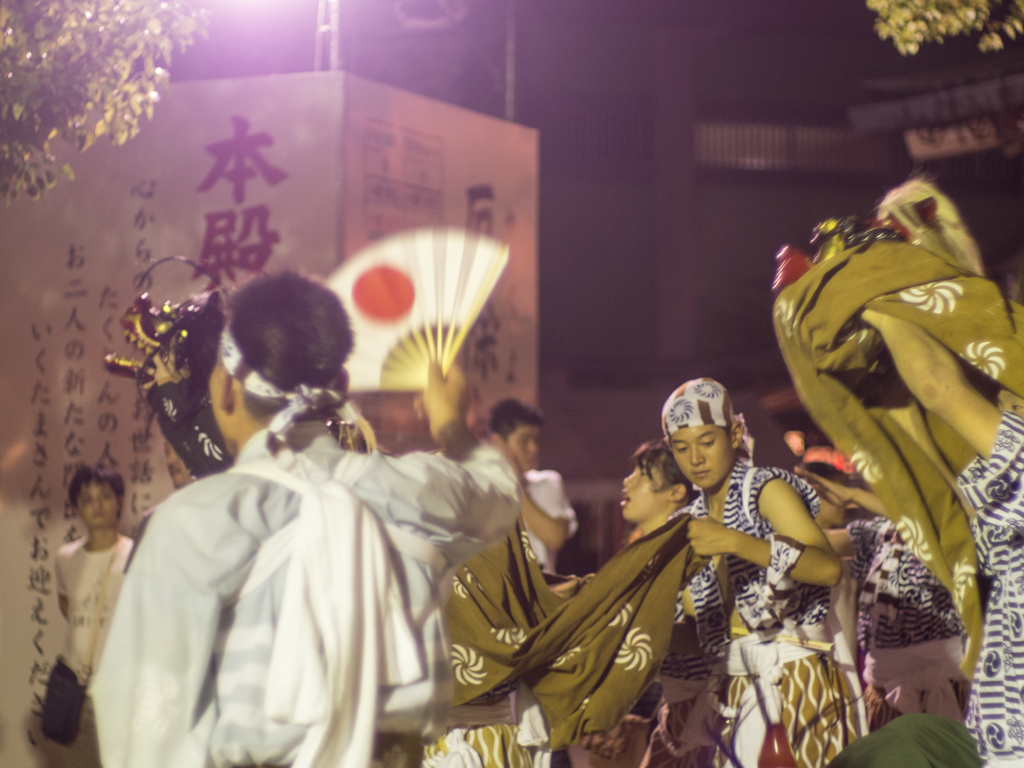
x=682 y=144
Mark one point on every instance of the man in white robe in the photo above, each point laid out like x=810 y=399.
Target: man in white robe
x=191 y=653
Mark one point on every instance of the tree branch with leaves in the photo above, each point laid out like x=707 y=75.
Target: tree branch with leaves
x=909 y=23
x=79 y=70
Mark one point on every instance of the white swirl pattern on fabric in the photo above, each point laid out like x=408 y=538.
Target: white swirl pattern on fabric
x=866 y=466
x=527 y=548
x=937 y=298
x=986 y=357
x=509 y=636
x=565 y=656
x=467 y=665
x=635 y=651
x=622 y=617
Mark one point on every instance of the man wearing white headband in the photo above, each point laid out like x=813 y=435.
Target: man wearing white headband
x=287 y=612
x=761 y=603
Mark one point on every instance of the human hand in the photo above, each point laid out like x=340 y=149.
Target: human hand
x=446 y=403
x=446 y=398
x=1010 y=401
x=165 y=369
x=832 y=492
x=709 y=537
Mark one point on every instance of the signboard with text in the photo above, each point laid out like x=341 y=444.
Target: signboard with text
x=288 y=171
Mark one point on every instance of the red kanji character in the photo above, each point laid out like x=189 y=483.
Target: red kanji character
x=237 y=152
x=223 y=252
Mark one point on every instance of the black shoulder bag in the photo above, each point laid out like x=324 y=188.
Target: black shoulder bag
x=65 y=692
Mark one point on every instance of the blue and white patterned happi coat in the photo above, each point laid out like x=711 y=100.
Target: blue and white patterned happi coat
x=811 y=603
x=994 y=488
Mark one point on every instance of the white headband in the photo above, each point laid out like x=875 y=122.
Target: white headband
x=304 y=399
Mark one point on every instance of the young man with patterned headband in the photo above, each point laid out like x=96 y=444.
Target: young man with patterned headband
x=287 y=611
x=761 y=604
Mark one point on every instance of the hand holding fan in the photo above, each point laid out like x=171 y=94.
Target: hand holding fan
x=412 y=299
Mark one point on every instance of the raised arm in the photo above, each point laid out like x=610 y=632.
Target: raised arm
x=842 y=495
x=934 y=377
x=446 y=401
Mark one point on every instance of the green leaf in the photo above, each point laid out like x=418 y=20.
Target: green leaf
x=99 y=94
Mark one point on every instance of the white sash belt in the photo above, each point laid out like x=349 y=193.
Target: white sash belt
x=919 y=678
x=759 y=655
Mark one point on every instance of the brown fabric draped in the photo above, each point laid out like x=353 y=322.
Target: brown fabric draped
x=848 y=383
x=586 y=658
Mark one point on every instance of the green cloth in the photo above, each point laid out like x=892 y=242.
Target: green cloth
x=586 y=658
x=847 y=382
x=913 y=741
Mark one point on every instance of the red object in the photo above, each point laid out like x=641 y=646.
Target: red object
x=775 y=753
x=384 y=293
x=926 y=209
x=793 y=264
x=824 y=455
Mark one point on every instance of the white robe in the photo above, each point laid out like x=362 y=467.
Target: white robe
x=171 y=692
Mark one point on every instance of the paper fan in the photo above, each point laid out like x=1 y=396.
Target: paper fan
x=412 y=299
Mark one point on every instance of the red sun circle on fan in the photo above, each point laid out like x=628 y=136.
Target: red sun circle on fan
x=384 y=294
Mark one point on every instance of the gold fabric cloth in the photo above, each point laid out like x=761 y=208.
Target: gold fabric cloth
x=847 y=381
x=586 y=658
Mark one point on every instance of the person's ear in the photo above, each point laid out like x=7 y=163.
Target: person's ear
x=341 y=385
x=679 y=493
x=222 y=390
x=736 y=435
x=233 y=396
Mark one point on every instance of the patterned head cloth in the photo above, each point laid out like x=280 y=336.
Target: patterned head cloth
x=697 y=403
x=703 y=402
x=299 y=402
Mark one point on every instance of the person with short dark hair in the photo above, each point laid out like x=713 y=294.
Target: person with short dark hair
x=288 y=610
x=89 y=573
x=654 y=489
x=550 y=519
